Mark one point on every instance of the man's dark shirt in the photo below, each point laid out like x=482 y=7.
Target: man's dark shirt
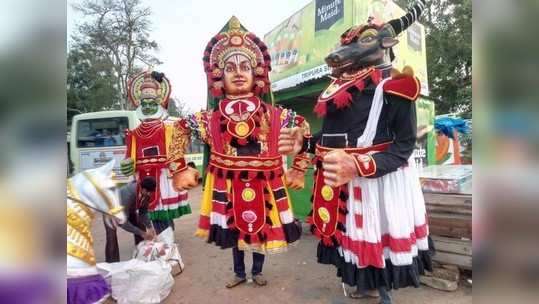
x=128 y=199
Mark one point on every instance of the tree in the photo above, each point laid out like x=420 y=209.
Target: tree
x=448 y=25
x=120 y=31
x=177 y=108
x=91 y=82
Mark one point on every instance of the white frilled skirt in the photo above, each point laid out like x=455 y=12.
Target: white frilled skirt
x=386 y=220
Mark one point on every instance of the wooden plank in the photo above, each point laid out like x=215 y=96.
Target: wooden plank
x=455 y=232
x=455 y=206
x=448 y=199
x=448 y=209
x=450 y=221
x=463 y=261
x=452 y=245
x=457 y=220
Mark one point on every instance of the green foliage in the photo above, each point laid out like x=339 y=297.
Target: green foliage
x=91 y=82
x=449 y=53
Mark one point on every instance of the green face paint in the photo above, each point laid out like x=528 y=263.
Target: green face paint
x=149 y=106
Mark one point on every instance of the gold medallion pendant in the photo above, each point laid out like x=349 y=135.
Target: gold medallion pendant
x=324 y=215
x=248 y=194
x=242 y=129
x=327 y=193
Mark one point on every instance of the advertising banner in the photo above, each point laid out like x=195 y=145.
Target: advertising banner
x=299 y=45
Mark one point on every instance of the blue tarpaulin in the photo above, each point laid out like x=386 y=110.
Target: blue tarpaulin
x=447 y=125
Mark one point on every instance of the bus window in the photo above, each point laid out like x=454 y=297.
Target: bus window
x=101 y=132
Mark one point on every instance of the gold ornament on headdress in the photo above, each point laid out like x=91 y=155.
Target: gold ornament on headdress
x=143 y=86
x=235 y=41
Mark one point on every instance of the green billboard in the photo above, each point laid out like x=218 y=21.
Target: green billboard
x=299 y=44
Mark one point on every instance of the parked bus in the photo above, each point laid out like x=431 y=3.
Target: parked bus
x=97 y=137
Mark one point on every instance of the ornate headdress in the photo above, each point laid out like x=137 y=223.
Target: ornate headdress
x=235 y=39
x=152 y=85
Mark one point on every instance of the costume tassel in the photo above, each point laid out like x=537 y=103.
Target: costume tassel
x=343 y=196
x=320 y=109
x=376 y=76
x=327 y=242
x=334 y=241
x=341 y=227
x=342 y=99
x=360 y=85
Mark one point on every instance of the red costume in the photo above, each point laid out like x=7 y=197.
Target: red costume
x=147 y=146
x=245 y=201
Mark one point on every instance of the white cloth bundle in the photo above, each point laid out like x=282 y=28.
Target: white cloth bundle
x=138 y=282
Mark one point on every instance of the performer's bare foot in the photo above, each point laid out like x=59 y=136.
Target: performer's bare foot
x=371 y=294
x=235 y=282
x=259 y=280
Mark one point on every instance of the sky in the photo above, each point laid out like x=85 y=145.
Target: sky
x=182 y=28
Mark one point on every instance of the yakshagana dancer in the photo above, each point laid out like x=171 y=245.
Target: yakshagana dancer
x=245 y=204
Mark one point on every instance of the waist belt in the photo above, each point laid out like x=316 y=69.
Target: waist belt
x=247 y=163
x=151 y=160
x=322 y=151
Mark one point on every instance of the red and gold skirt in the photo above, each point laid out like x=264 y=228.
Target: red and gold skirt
x=246 y=204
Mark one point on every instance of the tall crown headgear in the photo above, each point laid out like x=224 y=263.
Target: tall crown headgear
x=235 y=39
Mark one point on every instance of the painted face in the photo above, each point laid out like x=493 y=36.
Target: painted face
x=149 y=106
x=238 y=75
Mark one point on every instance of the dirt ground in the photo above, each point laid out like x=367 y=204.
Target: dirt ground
x=293 y=277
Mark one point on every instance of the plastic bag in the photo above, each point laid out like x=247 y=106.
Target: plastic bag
x=163 y=248
x=138 y=282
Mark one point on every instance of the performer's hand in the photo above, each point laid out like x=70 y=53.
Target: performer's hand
x=149 y=234
x=339 y=168
x=290 y=141
x=127 y=166
x=111 y=221
x=295 y=179
x=186 y=179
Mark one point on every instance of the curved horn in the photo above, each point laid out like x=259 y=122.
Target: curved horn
x=401 y=24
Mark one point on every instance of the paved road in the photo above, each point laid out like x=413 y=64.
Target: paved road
x=293 y=277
